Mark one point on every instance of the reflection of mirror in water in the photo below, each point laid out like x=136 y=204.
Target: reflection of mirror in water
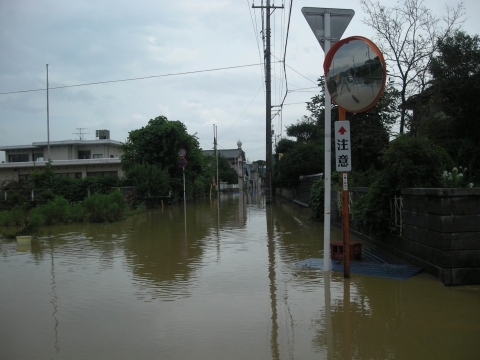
x=355 y=76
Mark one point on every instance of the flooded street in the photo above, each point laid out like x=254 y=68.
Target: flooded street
x=220 y=285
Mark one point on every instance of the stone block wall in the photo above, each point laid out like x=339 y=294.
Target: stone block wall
x=441 y=233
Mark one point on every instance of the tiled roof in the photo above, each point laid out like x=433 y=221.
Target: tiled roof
x=228 y=153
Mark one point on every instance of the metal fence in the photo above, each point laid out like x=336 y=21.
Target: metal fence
x=396 y=210
x=396 y=213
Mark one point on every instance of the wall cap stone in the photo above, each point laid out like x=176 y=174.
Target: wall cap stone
x=442 y=192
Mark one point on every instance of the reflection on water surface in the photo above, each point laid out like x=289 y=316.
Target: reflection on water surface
x=219 y=285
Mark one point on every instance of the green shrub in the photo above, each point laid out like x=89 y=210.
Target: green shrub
x=13 y=221
x=105 y=208
x=317 y=198
x=372 y=211
x=14 y=199
x=45 y=196
x=13 y=217
x=408 y=163
x=53 y=212
x=77 y=213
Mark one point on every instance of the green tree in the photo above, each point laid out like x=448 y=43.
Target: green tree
x=298 y=159
x=408 y=163
x=305 y=130
x=455 y=88
x=158 y=144
x=149 y=180
x=225 y=171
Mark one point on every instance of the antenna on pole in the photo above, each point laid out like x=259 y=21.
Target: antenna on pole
x=80 y=133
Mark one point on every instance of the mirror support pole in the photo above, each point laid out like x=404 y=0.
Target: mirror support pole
x=345 y=216
x=328 y=157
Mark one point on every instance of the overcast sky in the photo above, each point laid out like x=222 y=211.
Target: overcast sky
x=91 y=41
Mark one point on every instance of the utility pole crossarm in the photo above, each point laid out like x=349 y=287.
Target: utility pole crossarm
x=266 y=7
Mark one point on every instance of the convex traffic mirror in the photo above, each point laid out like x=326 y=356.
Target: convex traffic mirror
x=355 y=74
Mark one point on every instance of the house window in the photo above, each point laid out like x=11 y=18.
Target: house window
x=102 y=173
x=37 y=156
x=97 y=156
x=84 y=154
x=18 y=158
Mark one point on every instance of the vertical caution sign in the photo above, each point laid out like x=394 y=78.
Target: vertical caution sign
x=343 y=149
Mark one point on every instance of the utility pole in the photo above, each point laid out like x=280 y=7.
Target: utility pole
x=268 y=118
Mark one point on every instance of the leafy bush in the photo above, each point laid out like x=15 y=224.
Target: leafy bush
x=45 y=196
x=317 y=198
x=149 y=180
x=14 y=217
x=77 y=213
x=372 y=210
x=53 y=212
x=105 y=208
x=14 y=199
x=300 y=159
x=74 y=190
x=13 y=221
x=408 y=163
x=414 y=162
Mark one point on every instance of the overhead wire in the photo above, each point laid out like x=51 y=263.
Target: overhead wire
x=132 y=79
x=255 y=32
x=243 y=111
x=285 y=52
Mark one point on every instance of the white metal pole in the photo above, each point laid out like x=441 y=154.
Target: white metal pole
x=184 y=205
x=184 y=198
x=328 y=156
x=48 y=123
x=216 y=155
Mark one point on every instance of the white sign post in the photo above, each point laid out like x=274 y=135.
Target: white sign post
x=328 y=26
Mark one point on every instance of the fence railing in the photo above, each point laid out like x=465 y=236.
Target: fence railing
x=396 y=210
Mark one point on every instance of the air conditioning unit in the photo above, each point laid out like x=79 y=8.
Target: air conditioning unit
x=102 y=134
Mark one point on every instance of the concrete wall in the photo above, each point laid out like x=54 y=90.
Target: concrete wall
x=441 y=227
x=441 y=232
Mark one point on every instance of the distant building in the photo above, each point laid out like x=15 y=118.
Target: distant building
x=254 y=181
x=71 y=158
x=236 y=158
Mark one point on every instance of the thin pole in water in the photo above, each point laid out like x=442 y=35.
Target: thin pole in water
x=48 y=122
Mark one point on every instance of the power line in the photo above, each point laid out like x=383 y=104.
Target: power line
x=296 y=71
x=308 y=88
x=243 y=111
x=303 y=102
x=255 y=31
x=133 y=79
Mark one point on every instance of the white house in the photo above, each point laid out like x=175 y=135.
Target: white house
x=72 y=158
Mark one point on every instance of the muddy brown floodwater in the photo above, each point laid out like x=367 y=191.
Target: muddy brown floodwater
x=220 y=285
